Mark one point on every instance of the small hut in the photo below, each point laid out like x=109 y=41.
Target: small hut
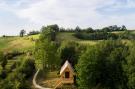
x=67 y=73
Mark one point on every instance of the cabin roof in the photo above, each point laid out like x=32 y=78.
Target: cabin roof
x=66 y=64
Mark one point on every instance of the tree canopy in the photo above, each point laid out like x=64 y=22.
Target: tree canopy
x=101 y=66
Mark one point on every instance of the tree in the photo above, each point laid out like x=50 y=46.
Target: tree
x=130 y=68
x=22 y=32
x=33 y=32
x=46 y=49
x=89 y=30
x=55 y=27
x=78 y=29
x=69 y=51
x=27 y=67
x=101 y=67
x=49 y=32
x=123 y=28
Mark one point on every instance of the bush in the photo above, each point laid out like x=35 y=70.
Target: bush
x=12 y=54
x=3 y=74
x=33 y=32
x=15 y=81
x=27 y=67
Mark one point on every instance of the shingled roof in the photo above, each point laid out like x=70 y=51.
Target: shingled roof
x=66 y=64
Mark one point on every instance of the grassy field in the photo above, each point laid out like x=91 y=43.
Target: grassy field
x=28 y=42
x=17 y=43
x=69 y=36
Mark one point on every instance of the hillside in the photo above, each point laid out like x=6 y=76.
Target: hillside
x=8 y=44
x=19 y=50
x=69 y=36
x=17 y=43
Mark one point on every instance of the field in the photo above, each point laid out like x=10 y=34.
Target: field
x=8 y=44
x=17 y=43
x=69 y=36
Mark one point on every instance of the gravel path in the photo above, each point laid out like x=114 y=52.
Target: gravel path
x=35 y=84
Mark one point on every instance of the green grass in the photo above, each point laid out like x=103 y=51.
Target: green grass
x=62 y=36
x=28 y=42
x=69 y=36
x=4 y=41
x=17 y=43
x=53 y=74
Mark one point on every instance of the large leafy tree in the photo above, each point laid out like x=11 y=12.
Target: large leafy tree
x=69 y=50
x=22 y=32
x=101 y=67
x=46 y=48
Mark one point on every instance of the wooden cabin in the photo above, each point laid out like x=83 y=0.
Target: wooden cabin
x=66 y=76
x=67 y=73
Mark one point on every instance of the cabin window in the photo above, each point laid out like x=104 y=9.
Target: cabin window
x=66 y=74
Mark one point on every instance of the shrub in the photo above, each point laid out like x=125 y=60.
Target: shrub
x=27 y=67
x=3 y=74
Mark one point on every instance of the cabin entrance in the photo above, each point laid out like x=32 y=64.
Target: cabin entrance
x=66 y=74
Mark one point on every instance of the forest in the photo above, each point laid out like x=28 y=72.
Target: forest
x=102 y=58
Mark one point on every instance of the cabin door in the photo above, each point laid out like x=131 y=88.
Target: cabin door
x=66 y=74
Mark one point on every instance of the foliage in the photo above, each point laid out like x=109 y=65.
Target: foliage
x=14 y=53
x=46 y=52
x=114 y=28
x=3 y=60
x=1 y=56
x=46 y=48
x=27 y=67
x=96 y=36
x=101 y=66
x=33 y=32
x=130 y=68
x=14 y=81
x=69 y=51
x=22 y=32
x=78 y=29
x=55 y=27
x=3 y=74
x=19 y=78
x=48 y=33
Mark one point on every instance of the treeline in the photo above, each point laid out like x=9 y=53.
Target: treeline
x=91 y=30
x=105 y=35
x=96 y=36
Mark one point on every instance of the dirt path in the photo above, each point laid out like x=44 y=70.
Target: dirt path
x=35 y=84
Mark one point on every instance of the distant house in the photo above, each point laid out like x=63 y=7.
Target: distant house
x=67 y=73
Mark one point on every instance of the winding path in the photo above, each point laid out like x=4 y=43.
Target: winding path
x=35 y=84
